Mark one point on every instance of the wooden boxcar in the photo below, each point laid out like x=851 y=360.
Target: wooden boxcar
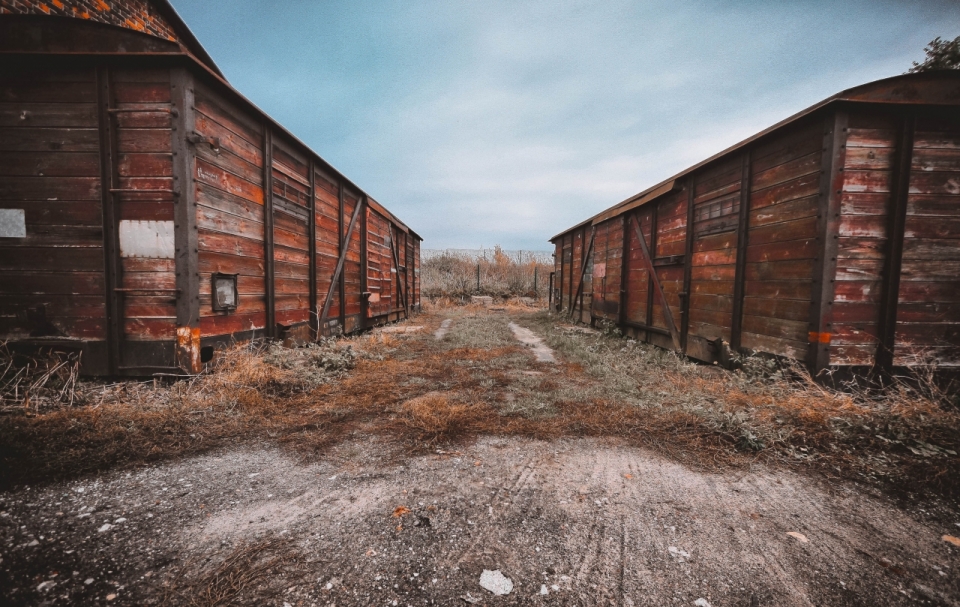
x=149 y=212
x=832 y=238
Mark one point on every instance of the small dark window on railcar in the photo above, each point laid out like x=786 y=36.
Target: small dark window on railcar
x=225 y=296
x=717 y=216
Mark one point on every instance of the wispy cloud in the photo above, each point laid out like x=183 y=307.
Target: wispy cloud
x=505 y=122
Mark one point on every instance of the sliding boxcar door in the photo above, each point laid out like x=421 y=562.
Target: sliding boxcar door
x=713 y=264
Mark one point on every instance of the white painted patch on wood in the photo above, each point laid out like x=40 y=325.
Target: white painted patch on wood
x=13 y=223
x=152 y=239
x=525 y=336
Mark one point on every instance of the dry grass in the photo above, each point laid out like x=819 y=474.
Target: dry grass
x=251 y=573
x=421 y=393
x=455 y=276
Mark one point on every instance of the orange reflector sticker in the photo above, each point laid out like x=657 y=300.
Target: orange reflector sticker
x=823 y=338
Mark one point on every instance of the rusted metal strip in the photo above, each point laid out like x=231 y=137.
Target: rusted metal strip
x=687 y=266
x=828 y=226
x=111 y=246
x=743 y=229
x=658 y=288
x=583 y=272
x=268 y=262
x=340 y=262
x=896 y=227
x=342 y=283
x=312 y=247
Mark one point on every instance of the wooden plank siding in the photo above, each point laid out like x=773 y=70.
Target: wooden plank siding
x=780 y=252
x=142 y=99
x=230 y=222
x=928 y=310
x=53 y=279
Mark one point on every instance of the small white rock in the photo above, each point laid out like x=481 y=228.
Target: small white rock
x=495 y=582
x=44 y=586
x=34 y=543
x=88 y=581
x=701 y=602
x=120 y=520
x=105 y=527
x=543 y=589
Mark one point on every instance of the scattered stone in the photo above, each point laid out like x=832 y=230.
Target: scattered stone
x=495 y=582
x=702 y=602
x=105 y=527
x=799 y=536
x=680 y=554
x=543 y=589
x=45 y=586
x=951 y=540
x=33 y=543
x=88 y=581
x=110 y=597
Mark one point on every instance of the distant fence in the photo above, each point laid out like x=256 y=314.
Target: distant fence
x=518 y=256
x=496 y=272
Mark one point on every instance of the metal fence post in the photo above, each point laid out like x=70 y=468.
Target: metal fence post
x=478 y=278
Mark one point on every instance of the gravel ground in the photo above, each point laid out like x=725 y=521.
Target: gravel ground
x=569 y=522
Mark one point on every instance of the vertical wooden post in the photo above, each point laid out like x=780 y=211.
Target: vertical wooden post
x=687 y=265
x=652 y=272
x=186 y=236
x=743 y=228
x=828 y=226
x=312 y=247
x=341 y=283
x=364 y=261
x=268 y=262
x=624 y=270
x=896 y=227
x=111 y=247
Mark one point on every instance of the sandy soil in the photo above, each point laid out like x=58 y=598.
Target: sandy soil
x=569 y=522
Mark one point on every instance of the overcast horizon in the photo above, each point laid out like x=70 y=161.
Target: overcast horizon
x=505 y=123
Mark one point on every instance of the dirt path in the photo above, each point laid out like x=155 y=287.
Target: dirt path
x=569 y=521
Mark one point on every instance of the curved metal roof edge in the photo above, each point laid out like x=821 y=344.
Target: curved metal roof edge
x=844 y=95
x=191 y=40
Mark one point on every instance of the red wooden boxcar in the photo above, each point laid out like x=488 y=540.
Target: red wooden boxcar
x=149 y=212
x=832 y=237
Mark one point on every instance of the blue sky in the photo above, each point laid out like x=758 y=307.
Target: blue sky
x=483 y=123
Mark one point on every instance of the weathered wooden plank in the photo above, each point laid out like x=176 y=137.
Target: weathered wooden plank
x=47 y=188
x=69 y=115
x=783 y=232
x=773 y=345
x=219 y=178
x=784 y=212
x=788 y=171
x=49 y=164
x=864 y=203
x=30 y=139
x=802 y=187
x=794 y=269
x=57 y=283
x=788 y=309
x=945 y=249
x=144 y=140
x=780 y=289
x=781 y=328
x=779 y=251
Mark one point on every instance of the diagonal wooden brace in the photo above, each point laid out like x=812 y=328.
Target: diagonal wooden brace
x=657 y=287
x=343 y=257
x=583 y=272
x=396 y=262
